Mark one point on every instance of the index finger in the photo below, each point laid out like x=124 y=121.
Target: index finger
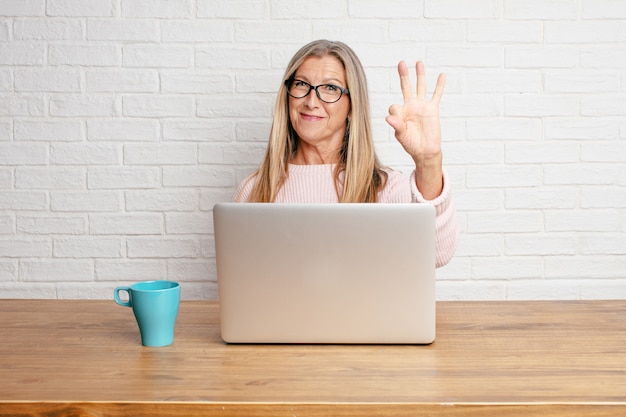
x=405 y=81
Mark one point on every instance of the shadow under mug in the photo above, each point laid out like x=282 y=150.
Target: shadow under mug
x=155 y=305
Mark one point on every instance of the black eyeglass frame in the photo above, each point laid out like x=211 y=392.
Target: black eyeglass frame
x=342 y=91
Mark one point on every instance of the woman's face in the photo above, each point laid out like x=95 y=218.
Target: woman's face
x=320 y=126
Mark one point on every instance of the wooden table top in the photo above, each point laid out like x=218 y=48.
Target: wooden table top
x=508 y=358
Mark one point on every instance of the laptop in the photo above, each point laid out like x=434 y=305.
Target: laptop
x=326 y=273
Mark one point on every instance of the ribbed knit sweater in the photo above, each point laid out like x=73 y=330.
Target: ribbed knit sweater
x=316 y=184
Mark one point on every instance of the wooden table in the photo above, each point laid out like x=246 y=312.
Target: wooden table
x=540 y=358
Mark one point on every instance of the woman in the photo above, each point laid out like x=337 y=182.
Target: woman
x=321 y=150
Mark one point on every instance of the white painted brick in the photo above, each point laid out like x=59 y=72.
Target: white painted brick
x=85 y=290
x=503 y=176
x=603 y=151
x=359 y=31
x=578 y=174
x=216 y=57
x=208 y=250
x=51 y=225
x=208 y=197
x=157 y=56
x=83 y=106
x=234 y=107
x=504 y=129
x=84 y=54
x=162 y=200
x=196 y=31
x=487 y=199
x=534 y=289
x=518 y=221
x=6 y=178
x=123 y=81
x=603 y=57
x=472 y=105
x=606 y=105
x=198 y=130
x=252 y=131
x=23 y=8
x=113 y=178
x=85 y=8
x=44 y=178
x=80 y=247
x=7 y=226
x=269 y=32
x=590 y=220
x=509 y=81
x=510 y=267
x=596 y=289
x=540 y=244
x=128 y=30
x=47 y=80
x=603 y=9
x=578 y=32
x=541 y=198
x=130 y=270
x=181 y=247
x=468 y=56
x=84 y=154
x=21 y=53
x=546 y=152
x=6 y=80
x=157 y=8
x=6 y=131
x=23 y=200
x=22 y=290
x=480 y=245
x=4 y=31
x=87 y=201
x=471 y=290
x=123 y=130
x=188 y=223
x=540 y=105
x=23 y=154
x=541 y=57
x=188 y=270
x=125 y=224
x=197 y=83
x=25 y=248
x=198 y=177
x=478 y=153
x=154 y=105
x=603 y=244
x=459 y=9
x=594 y=267
x=541 y=9
x=285 y=9
x=231 y=153
x=47 y=29
x=237 y=9
x=65 y=131
x=588 y=128
x=161 y=154
x=603 y=197
x=504 y=31
x=8 y=272
x=53 y=270
x=21 y=105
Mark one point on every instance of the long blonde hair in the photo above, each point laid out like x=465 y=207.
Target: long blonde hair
x=363 y=174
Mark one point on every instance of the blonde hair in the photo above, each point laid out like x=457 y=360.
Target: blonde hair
x=363 y=174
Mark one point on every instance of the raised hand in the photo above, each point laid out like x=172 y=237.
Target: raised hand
x=417 y=128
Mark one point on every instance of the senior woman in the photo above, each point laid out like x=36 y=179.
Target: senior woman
x=321 y=150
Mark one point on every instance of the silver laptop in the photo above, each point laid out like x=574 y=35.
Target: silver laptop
x=326 y=273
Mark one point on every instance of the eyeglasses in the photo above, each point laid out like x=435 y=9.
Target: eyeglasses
x=328 y=93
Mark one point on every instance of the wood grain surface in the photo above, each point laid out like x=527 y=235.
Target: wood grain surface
x=508 y=358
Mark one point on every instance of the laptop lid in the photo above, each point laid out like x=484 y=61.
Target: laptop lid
x=326 y=273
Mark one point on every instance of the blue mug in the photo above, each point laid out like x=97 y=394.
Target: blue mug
x=155 y=305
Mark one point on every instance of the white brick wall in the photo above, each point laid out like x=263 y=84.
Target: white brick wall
x=122 y=122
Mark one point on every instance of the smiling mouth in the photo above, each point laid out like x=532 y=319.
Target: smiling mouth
x=310 y=118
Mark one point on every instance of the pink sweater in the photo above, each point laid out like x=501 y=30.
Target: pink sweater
x=316 y=184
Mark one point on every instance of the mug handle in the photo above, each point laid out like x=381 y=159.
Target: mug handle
x=116 y=296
